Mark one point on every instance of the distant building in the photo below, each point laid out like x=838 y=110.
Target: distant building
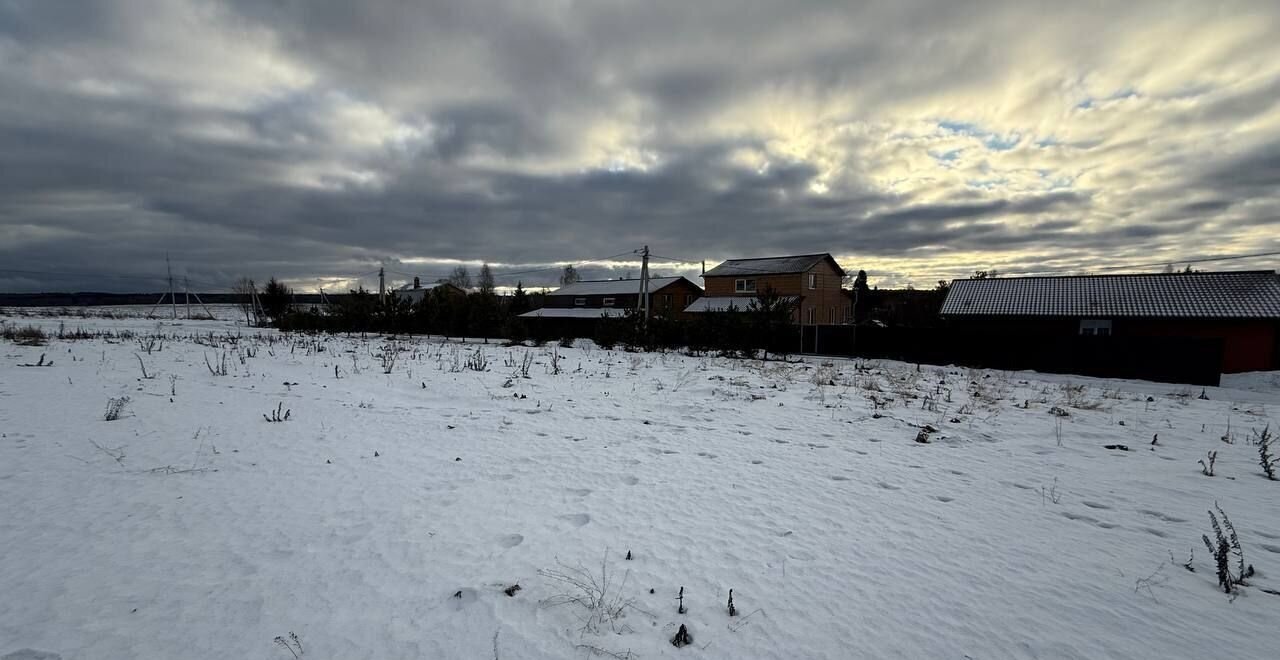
x=596 y=298
x=1242 y=309
x=415 y=292
x=812 y=281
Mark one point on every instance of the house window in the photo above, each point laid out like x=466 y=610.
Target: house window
x=813 y=280
x=579 y=302
x=832 y=321
x=812 y=315
x=688 y=299
x=1095 y=328
x=608 y=302
x=666 y=300
x=744 y=286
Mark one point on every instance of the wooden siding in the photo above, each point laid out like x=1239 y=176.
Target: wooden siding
x=827 y=302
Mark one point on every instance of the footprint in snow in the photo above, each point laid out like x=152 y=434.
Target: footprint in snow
x=757 y=462
x=839 y=477
x=511 y=540
x=464 y=597
x=1096 y=505
x=576 y=519
x=887 y=486
x=1155 y=532
x=943 y=498
x=1270 y=548
x=580 y=492
x=1094 y=521
x=630 y=480
x=1160 y=516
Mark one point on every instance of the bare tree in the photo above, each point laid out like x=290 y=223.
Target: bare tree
x=460 y=278
x=486 y=280
x=244 y=290
x=569 y=276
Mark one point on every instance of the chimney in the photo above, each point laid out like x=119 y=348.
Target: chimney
x=416 y=284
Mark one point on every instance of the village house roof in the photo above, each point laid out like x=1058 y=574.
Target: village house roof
x=1223 y=295
x=426 y=287
x=725 y=303
x=612 y=287
x=575 y=313
x=771 y=266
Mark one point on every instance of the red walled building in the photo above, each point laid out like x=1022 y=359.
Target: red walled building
x=1242 y=309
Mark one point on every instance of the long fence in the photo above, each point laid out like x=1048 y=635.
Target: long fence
x=1189 y=360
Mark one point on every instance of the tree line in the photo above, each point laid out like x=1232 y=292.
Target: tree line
x=761 y=327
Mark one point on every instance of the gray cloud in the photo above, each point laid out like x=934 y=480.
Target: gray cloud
x=313 y=141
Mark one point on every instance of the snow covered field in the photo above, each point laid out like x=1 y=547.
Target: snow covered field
x=389 y=514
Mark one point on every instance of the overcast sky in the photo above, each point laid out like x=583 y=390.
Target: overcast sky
x=313 y=140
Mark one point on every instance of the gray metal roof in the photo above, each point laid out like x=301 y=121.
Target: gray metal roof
x=575 y=313
x=1241 y=294
x=612 y=287
x=769 y=266
x=725 y=303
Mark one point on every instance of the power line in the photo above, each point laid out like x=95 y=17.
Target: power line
x=1195 y=261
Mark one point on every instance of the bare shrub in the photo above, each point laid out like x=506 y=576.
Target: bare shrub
x=598 y=597
x=276 y=416
x=29 y=335
x=221 y=369
x=115 y=408
x=1223 y=548
x=292 y=644
x=1265 y=457
x=1207 y=468
x=478 y=361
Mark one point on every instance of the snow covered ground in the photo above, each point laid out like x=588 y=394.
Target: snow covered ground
x=390 y=512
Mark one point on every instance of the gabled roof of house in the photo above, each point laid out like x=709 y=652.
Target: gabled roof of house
x=1238 y=295
x=771 y=265
x=614 y=287
x=575 y=313
x=432 y=285
x=726 y=303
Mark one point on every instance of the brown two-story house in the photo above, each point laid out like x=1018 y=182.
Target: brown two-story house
x=812 y=280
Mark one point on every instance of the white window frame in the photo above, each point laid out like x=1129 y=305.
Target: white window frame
x=688 y=299
x=812 y=316
x=1095 y=327
x=813 y=280
x=608 y=302
x=579 y=302
x=744 y=285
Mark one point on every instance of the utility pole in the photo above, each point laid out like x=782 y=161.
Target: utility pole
x=173 y=302
x=644 y=288
x=186 y=295
x=382 y=286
